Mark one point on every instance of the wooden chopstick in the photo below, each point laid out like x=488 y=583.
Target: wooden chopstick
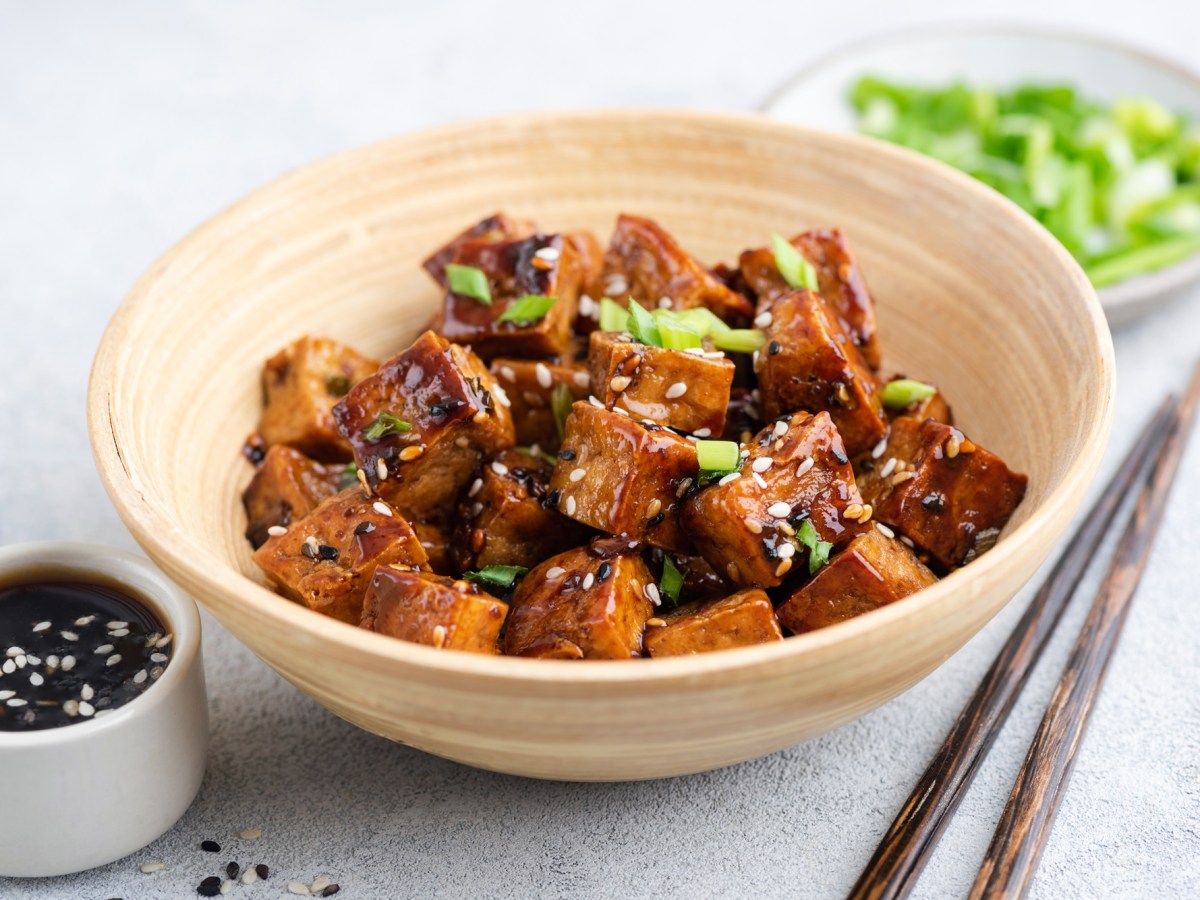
x=1024 y=827
x=902 y=853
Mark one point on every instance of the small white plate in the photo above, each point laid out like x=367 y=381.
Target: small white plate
x=1002 y=56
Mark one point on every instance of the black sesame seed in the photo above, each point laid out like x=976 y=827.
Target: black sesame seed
x=655 y=520
x=552 y=499
x=209 y=887
x=604 y=571
x=307 y=549
x=568 y=455
x=444 y=407
x=327 y=552
x=262 y=871
x=232 y=870
x=934 y=502
x=210 y=846
x=364 y=528
x=330 y=890
x=773 y=348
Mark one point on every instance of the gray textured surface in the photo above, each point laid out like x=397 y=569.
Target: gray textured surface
x=124 y=125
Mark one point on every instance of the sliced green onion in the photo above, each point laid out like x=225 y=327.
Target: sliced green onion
x=718 y=456
x=797 y=271
x=643 y=326
x=699 y=319
x=675 y=335
x=561 y=400
x=528 y=309
x=385 y=424
x=502 y=577
x=470 y=282
x=612 y=317
x=818 y=550
x=739 y=340
x=671 y=582
x=904 y=392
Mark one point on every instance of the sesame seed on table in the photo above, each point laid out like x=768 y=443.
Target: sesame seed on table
x=114 y=150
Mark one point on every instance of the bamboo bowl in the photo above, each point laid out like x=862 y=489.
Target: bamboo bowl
x=971 y=293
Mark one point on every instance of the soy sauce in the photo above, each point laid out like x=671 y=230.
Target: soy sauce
x=71 y=651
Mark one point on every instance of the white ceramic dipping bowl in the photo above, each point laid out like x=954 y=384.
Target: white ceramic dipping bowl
x=85 y=794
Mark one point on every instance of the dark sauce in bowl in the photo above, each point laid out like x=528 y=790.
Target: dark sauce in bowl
x=71 y=651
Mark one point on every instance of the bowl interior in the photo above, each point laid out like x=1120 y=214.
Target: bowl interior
x=970 y=294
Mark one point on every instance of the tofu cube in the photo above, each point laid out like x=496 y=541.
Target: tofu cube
x=529 y=386
x=623 y=476
x=941 y=491
x=301 y=384
x=505 y=518
x=543 y=265
x=809 y=363
x=288 y=486
x=446 y=396
x=588 y=603
x=644 y=262
x=839 y=281
x=685 y=391
x=740 y=620
x=873 y=570
x=325 y=560
x=441 y=612
x=497 y=227
x=797 y=469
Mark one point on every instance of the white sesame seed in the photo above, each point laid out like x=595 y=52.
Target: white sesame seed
x=226 y=887
x=803 y=468
x=781 y=428
x=588 y=580
x=86 y=709
x=33 y=660
x=779 y=510
x=320 y=884
x=762 y=464
x=141 y=676
x=754 y=360
x=596 y=403
x=786 y=551
x=151 y=868
x=476 y=509
x=299 y=888
x=501 y=396
x=119 y=632
x=35 y=679
x=588 y=308
x=116 y=624
x=40 y=627
x=759 y=480
x=71 y=707
x=901 y=477
x=581 y=379
x=752 y=525
x=683 y=486
x=462 y=442
x=4 y=695
x=884 y=530
x=156 y=671
x=382 y=508
x=879 y=449
x=249 y=876
x=555 y=572
x=9 y=667
x=113 y=660
x=678 y=389
x=276 y=531
x=651 y=592
x=577 y=474
x=570 y=506
x=250 y=834
x=731 y=477
x=906 y=541
x=21 y=662
x=543 y=375
x=16 y=701
x=616 y=284
x=499 y=468
x=476 y=487
x=164 y=640
x=619 y=382
x=52 y=661
x=439 y=636
x=550 y=254
x=623 y=412
x=888 y=467
x=653 y=508
x=103 y=649
x=664 y=302
x=158 y=657
x=84 y=621
x=68 y=663
x=507 y=373
x=763 y=320
x=744 y=453
x=702 y=432
x=713 y=354
x=695 y=351
x=14 y=652
x=381 y=470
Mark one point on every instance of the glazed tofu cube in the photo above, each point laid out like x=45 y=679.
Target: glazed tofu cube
x=873 y=570
x=623 y=476
x=810 y=364
x=932 y=407
x=685 y=391
x=498 y=227
x=745 y=525
x=542 y=265
x=588 y=603
x=839 y=281
x=740 y=620
x=505 y=518
x=947 y=495
x=325 y=560
x=444 y=396
x=288 y=486
x=301 y=383
x=529 y=387
x=432 y=609
x=646 y=263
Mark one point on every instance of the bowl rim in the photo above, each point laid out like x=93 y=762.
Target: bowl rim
x=1126 y=298
x=157 y=533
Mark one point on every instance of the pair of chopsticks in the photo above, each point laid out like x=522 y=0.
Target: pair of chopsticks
x=1011 y=859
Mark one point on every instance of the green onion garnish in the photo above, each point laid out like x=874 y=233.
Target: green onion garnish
x=904 y=392
x=643 y=326
x=528 y=309
x=561 y=400
x=675 y=335
x=384 y=425
x=797 y=271
x=502 y=577
x=739 y=340
x=672 y=581
x=470 y=282
x=338 y=385
x=718 y=456
x=612 y=317
x=699 y=319
x=818 y=550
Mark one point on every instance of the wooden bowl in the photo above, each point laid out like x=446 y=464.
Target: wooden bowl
x=971 y=294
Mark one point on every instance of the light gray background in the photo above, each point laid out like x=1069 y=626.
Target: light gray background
x=123 y=125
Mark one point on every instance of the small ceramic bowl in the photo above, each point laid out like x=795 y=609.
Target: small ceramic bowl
x=85 y=794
